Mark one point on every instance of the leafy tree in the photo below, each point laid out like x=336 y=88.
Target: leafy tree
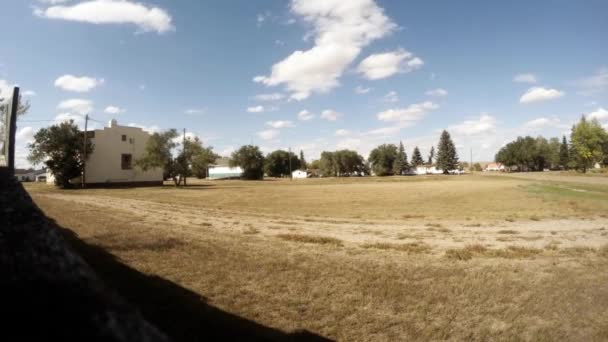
x=303 y=165
x=564 y=154
x=199 y=157
x=382 y=159
x=158 y=154
x=251 y=160
x=447 y=157
x=342 y=163
x=61 y=149
x=587 y=139
x=477 y=167
x=315 y=164
x=276 y=163
x=417 y=158
x=431 y=155
x=400 y=165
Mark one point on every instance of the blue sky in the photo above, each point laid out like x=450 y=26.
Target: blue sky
x=311 y=75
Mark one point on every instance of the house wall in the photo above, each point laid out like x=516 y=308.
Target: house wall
x=104 y=164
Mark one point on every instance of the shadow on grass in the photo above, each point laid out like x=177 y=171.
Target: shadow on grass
x=180 y=313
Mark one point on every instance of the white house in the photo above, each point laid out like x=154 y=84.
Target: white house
x=299 y=174
x=115 y=150
x=495 y=167
x=27 y=175
x=222 y=170
x=427 y=170
x=432 y=170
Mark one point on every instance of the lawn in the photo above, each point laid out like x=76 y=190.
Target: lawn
x=459 y=257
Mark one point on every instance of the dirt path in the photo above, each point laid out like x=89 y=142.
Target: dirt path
x=439 y=236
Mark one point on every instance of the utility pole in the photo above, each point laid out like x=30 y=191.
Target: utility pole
x=84 y=152
x=290 y=174
x=11 y=131
x=184 y=152
x=471 y=165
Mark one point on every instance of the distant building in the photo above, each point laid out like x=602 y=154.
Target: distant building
x=222 y=170
x=115 y=150
x=495 y=167
x=299 y=174
x=28 y=175
x=427 y=170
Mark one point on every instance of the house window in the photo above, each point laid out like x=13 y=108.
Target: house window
x=126 y=162
x=124 y=137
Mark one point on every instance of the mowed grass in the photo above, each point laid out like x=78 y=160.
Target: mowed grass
x=300 y=278
x=424 y=198
x=373 y=291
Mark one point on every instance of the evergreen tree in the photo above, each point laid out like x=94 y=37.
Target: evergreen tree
x=564 y=154
x=303 y=165
x=417 y=157
x=447 y=157
x=400 y=165
x=431 y=155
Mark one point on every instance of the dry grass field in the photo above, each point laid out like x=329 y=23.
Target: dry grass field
x=409 y=258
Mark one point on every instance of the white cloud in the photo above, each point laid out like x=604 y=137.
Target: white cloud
x=114 y=110
x=305 y=115
x=341 y=30
x=595 y=84
x=439 y=92
x=600 y=114
x=485 y=124
x=408 y=115
x=384 y=65
x=53 y=2
x=269 y=97
x=25 y=134
x=280 y=124
x=385 y=131
x=342 y=133
x=79 y=106
x=78 y=119
x=349 y=144
x=111 y=12
x=361 y=90
x=29 y=93
x=330 y=115
x=255 y=109
x=541 y=123
x=525 y=78
x=391 y=97
x=180 y=138
x=77 y=84
x=538 y=94
x=194 y=111
x=149 y=129
x=268 y=134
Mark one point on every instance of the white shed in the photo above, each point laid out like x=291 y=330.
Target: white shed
x=299 y=174
x=222 y=170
